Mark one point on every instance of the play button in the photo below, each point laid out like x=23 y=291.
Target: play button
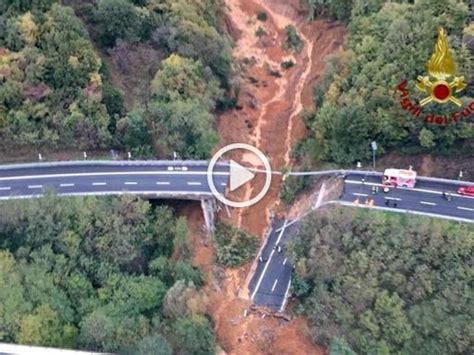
x=239 y=175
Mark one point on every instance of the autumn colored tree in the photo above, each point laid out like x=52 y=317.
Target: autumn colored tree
x=373 y=282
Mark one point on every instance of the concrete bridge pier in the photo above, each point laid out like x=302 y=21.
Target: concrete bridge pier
x=208 y=206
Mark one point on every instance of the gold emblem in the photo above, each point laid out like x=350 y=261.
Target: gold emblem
x=441 y=67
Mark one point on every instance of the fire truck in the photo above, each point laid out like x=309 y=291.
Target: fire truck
x=399 y=177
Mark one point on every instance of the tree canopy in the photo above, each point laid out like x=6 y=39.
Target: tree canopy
x=98 y=274
x=385 y=283
x=57 y=92
x=388 y=42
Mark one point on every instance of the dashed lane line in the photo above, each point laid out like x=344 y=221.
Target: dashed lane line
x=465 y=208
x=285 y=299
x=163 y=183
x=35 y=186
x=99 y=183
x=194 y=183
x=393 y=198
x=428 y=203
x=284 y=261
x=274 y=285
x=66 y=185
x=131 y=183
x=5 y=188
x=259 y=282
x=359 y=194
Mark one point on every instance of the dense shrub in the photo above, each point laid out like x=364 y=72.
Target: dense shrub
x=293 y=41
x=234 y=246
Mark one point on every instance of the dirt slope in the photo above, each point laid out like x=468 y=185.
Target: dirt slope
x=271 y=98
x=269 y=117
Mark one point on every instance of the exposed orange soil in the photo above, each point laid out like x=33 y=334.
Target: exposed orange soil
x=269 y=117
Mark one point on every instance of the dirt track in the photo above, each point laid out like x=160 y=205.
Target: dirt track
x=269 y=117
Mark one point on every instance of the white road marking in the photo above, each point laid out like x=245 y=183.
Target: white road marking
x=163 y=183
x=359 y=194
x=113 y=173
x=35 y=186
x=407 y=188
x=194 y=183
x=281 y=233
x=99 y=183
x=5 y=188
x=465 y=208
x=393 y=198
x=428 y=203
x=112 y=192
x=223 y=184
x=267 y=263
x=286 y=296
x=66 y=185
x=131 y=183
x=274 y=285
x=284 y=261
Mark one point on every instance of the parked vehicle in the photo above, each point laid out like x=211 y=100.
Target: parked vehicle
x=399 y=177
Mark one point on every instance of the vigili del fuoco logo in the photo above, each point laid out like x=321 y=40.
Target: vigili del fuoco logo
x=440 y=85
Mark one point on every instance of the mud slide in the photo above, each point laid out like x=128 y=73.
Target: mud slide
x=269 y=117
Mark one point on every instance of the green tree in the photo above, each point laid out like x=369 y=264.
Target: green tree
x=14 y=304
x=44 y=327
x=180 y=111
x=118 y=19
x=234 y=246
x=151 y=345
x=377 y=56
x=183 y=126
x=426 y=138
x=181 y=244
x=193 y=335
x=385 y=283
x=135 y=135
x=340 y=347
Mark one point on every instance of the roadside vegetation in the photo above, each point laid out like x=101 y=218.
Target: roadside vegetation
x=292 y=186
x=57 y=91
x=104 y=274
x=234 y=247
x=383 y=283
x=387 y=42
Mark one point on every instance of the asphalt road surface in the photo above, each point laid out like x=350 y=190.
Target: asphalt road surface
x=426 y=197
x=270 y=285
x=271 y=282
x=165 y=179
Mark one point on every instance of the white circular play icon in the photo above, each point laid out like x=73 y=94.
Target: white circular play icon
x=239 y=175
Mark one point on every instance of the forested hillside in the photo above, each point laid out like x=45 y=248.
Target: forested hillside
x=380 y=283
x=387 y=42
x=56 y=92
x=103 y=274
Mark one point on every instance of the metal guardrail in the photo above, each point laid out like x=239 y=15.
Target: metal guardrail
x=106 y=163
